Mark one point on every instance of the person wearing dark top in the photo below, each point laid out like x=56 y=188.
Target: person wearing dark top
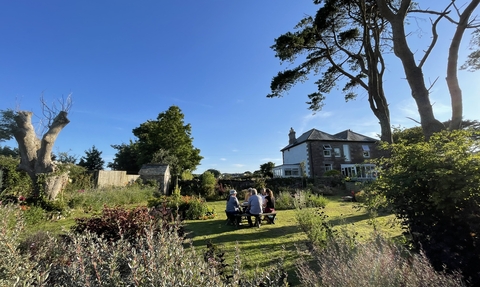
x=269 y=202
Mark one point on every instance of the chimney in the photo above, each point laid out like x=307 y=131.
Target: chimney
x=291 y=136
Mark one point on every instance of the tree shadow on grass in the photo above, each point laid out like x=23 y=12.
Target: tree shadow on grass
x=352 y=219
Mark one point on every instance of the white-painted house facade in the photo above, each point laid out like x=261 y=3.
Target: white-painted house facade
x=315 y=152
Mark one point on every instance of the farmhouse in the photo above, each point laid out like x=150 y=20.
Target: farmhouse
x=316 y=152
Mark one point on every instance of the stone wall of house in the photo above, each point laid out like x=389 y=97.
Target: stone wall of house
x=317 y=160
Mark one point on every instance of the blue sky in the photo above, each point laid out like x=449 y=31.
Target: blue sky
x=124 y=62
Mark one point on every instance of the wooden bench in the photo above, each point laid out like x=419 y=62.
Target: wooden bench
x=269 y=217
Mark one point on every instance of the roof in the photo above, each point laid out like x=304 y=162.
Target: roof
x=353 y=136
x=316 y=135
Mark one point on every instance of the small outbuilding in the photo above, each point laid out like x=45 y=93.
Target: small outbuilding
x=158 y=172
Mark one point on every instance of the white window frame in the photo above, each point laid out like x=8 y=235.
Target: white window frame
x=346 y=152
x=327 y=150
x=337 y=152
x=328 y=166
x=366 y=151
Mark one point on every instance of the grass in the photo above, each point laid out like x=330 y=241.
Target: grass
x=260 y=247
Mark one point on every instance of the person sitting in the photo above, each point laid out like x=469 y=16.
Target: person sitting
x=254 y=207
x=233 y=208
x=269 y=201
x=263 y=194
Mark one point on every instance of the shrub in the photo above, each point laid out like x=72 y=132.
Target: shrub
x=86 y=259
x=314 y=223
x=208 y=185
x=115 y=223
x=34 y=215
x=434 y=188
x=187 y=207
x=15 y=183
x=377 y=262
x=284 y=200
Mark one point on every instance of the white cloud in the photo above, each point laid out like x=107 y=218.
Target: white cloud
x=223 y=159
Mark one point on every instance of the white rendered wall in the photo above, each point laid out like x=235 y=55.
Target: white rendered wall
x=296 y=155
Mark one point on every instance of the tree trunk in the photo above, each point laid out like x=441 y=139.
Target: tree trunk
x=452 y=79
x=413 y=72
x=35 y=154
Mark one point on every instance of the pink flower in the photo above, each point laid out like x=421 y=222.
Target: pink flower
x=21 y=198
x=81 y=190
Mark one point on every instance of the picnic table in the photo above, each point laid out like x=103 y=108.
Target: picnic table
x=269 y=217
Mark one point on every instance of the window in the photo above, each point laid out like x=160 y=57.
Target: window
x=327 y=150
x=336 y=152
x=328 y=166
x=346 y=152
x=292 y=172
x=366 y=150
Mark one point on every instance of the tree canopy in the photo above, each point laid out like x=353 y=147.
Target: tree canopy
x=126 y=158
x=266 y=169
x=7 y=124
x=169 y=133
x=345 y=41
x=92 y=159
x=343 y=45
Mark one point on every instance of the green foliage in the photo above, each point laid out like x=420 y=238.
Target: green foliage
x=314 y=222
x=18 y=268
x=15 y=183
x=332 y=172
x=208 y=184
x=187 y=207
x=266 y=169
x=473 y=59
x=126 y=158
x=7 y=151
x=434 y=188
x=92 y=159
x=169 y=133
x=34 y=215
x=7 y=123
x=284 y=200
x=79 y=178
x=86 y=259
x=65 y=157
x=92 y=200
x=335 y=46
x=186 y=175
x=215 y=172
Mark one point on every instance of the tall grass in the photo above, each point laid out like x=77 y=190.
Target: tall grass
x=95 y=199
x=155 y=259
x=339 y=259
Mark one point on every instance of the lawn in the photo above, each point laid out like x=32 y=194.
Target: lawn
x=260 y=247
